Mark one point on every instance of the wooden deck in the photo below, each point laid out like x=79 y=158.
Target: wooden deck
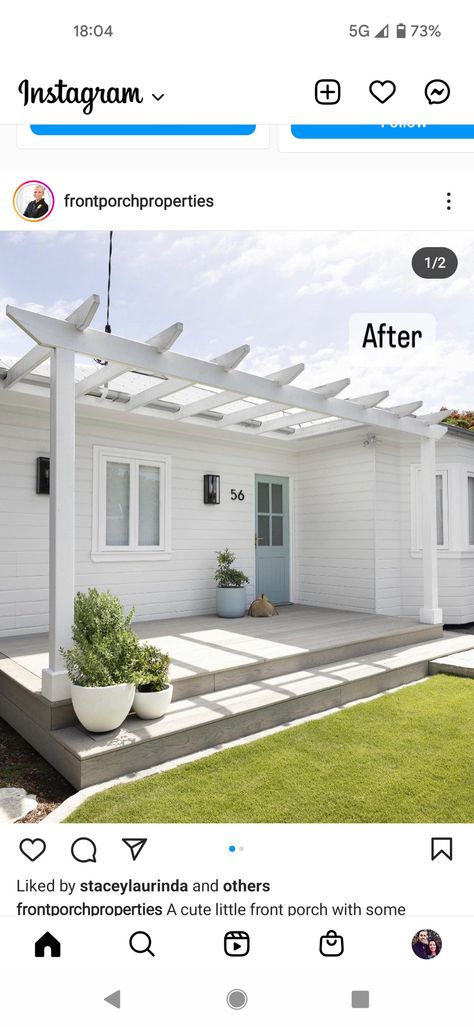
x=208 y=652
x=265 y=671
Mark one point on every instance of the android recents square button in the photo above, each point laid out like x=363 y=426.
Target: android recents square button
x=360 y=1000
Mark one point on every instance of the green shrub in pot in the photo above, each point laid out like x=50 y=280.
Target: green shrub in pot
x=231 y=599
x=102 y=661
x=153 y=693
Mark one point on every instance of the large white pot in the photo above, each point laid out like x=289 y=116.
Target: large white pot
x=151 y=705
x=231 y=602
x=102 y=709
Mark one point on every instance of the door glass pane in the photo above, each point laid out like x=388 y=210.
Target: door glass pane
x=277 y=531
x=439 y=510
x=470 y=488
x=277 y=499
x=263 y=498
x=117 y=518
x=148 y=506
x=263 y=530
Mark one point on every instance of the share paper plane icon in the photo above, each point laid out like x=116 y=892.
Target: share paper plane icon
x=113 y=999
x=135 y=845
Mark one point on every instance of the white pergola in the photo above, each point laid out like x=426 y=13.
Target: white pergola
x=223 y=398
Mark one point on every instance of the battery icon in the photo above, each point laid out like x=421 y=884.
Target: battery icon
x=401 y=31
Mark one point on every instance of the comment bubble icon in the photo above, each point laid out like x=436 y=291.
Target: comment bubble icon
x=84 y=850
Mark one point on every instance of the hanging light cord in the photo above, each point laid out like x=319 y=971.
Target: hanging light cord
x=107 y=327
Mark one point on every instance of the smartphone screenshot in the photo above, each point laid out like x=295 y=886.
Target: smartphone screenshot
x=236 y=514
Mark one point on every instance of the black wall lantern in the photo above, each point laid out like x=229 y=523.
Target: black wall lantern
x=42 y=475
x=212 y=488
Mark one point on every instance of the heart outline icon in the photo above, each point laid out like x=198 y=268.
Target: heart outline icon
x=32 y=844
x=382 y=91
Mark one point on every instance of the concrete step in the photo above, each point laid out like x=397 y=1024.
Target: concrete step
x=461 y=664
x=206 y=721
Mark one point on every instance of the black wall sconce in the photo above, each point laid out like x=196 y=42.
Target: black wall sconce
x=42 y=476
x=212 y=488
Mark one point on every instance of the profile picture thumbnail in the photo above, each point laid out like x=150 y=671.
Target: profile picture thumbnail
x=33 y=200
x=426 y=944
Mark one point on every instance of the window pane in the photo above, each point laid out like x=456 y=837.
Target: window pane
x=148 y=506
x=263 y=497
x=439 y=510
x=277 y=499
x=117 y=524
x=277 y=531
x=263 y=531
x=470 y=493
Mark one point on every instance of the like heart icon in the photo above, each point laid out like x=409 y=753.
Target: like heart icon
x=32 y=848
x=382 y=91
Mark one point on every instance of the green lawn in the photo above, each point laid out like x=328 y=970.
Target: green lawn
x=406 y=757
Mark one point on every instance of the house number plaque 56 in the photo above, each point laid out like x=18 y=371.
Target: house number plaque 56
x=234 y=494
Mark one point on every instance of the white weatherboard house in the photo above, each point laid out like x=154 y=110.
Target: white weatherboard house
x=359 y=513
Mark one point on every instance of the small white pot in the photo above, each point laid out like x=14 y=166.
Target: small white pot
x=102 y=709
x=151 y=705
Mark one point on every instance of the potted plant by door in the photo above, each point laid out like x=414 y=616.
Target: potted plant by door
x=153 y=692
x=231 y=598
x=102 y=662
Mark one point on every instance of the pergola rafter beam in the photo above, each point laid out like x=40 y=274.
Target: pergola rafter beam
x=100 y=377
x=405 y=409
x=51 y=332
x=83 y=315
x=366 y=402
x=25 y=365
x=172 y=385
x=436 y=417
x=162 y=342
x=219 y=399
x=166 y=339
x=258 y=410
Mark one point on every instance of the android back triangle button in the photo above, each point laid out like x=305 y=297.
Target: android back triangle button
x=114 y=999
x=135 y=845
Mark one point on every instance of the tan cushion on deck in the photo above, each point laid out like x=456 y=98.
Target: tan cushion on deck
x=262 y=607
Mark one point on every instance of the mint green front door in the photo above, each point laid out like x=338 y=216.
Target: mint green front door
x=272 y=537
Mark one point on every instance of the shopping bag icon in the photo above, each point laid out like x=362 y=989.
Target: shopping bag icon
x=331 y=944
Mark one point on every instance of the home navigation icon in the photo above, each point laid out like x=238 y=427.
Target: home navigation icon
x=47 y=941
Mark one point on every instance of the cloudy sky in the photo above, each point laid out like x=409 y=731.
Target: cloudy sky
x=290 y=295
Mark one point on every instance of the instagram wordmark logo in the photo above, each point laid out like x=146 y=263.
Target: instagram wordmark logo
x=86 y=96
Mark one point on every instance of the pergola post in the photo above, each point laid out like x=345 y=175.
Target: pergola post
x=430 y=613
x=55 y=680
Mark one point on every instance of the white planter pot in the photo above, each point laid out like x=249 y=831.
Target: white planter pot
x=231 y=602
x=102 y=709
x=151 y=705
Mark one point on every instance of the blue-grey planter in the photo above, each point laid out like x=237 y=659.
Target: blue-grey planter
x=231 y=602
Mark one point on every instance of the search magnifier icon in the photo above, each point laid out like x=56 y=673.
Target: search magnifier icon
x=140 y=941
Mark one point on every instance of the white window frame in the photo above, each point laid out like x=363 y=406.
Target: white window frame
x=417 y=511
x=100 y=550
x=469 y=473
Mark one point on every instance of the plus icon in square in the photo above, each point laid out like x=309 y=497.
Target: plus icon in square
x=327 y=91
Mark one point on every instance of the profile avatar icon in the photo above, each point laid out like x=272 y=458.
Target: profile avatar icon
x=426 y=944
x=37 y=207
x=33 y=200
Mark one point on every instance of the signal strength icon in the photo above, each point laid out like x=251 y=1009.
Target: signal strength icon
x=383 y=34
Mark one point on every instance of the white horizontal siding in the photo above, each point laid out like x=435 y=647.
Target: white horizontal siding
x=184 y=584
x=351 y=522
x=335 y=551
